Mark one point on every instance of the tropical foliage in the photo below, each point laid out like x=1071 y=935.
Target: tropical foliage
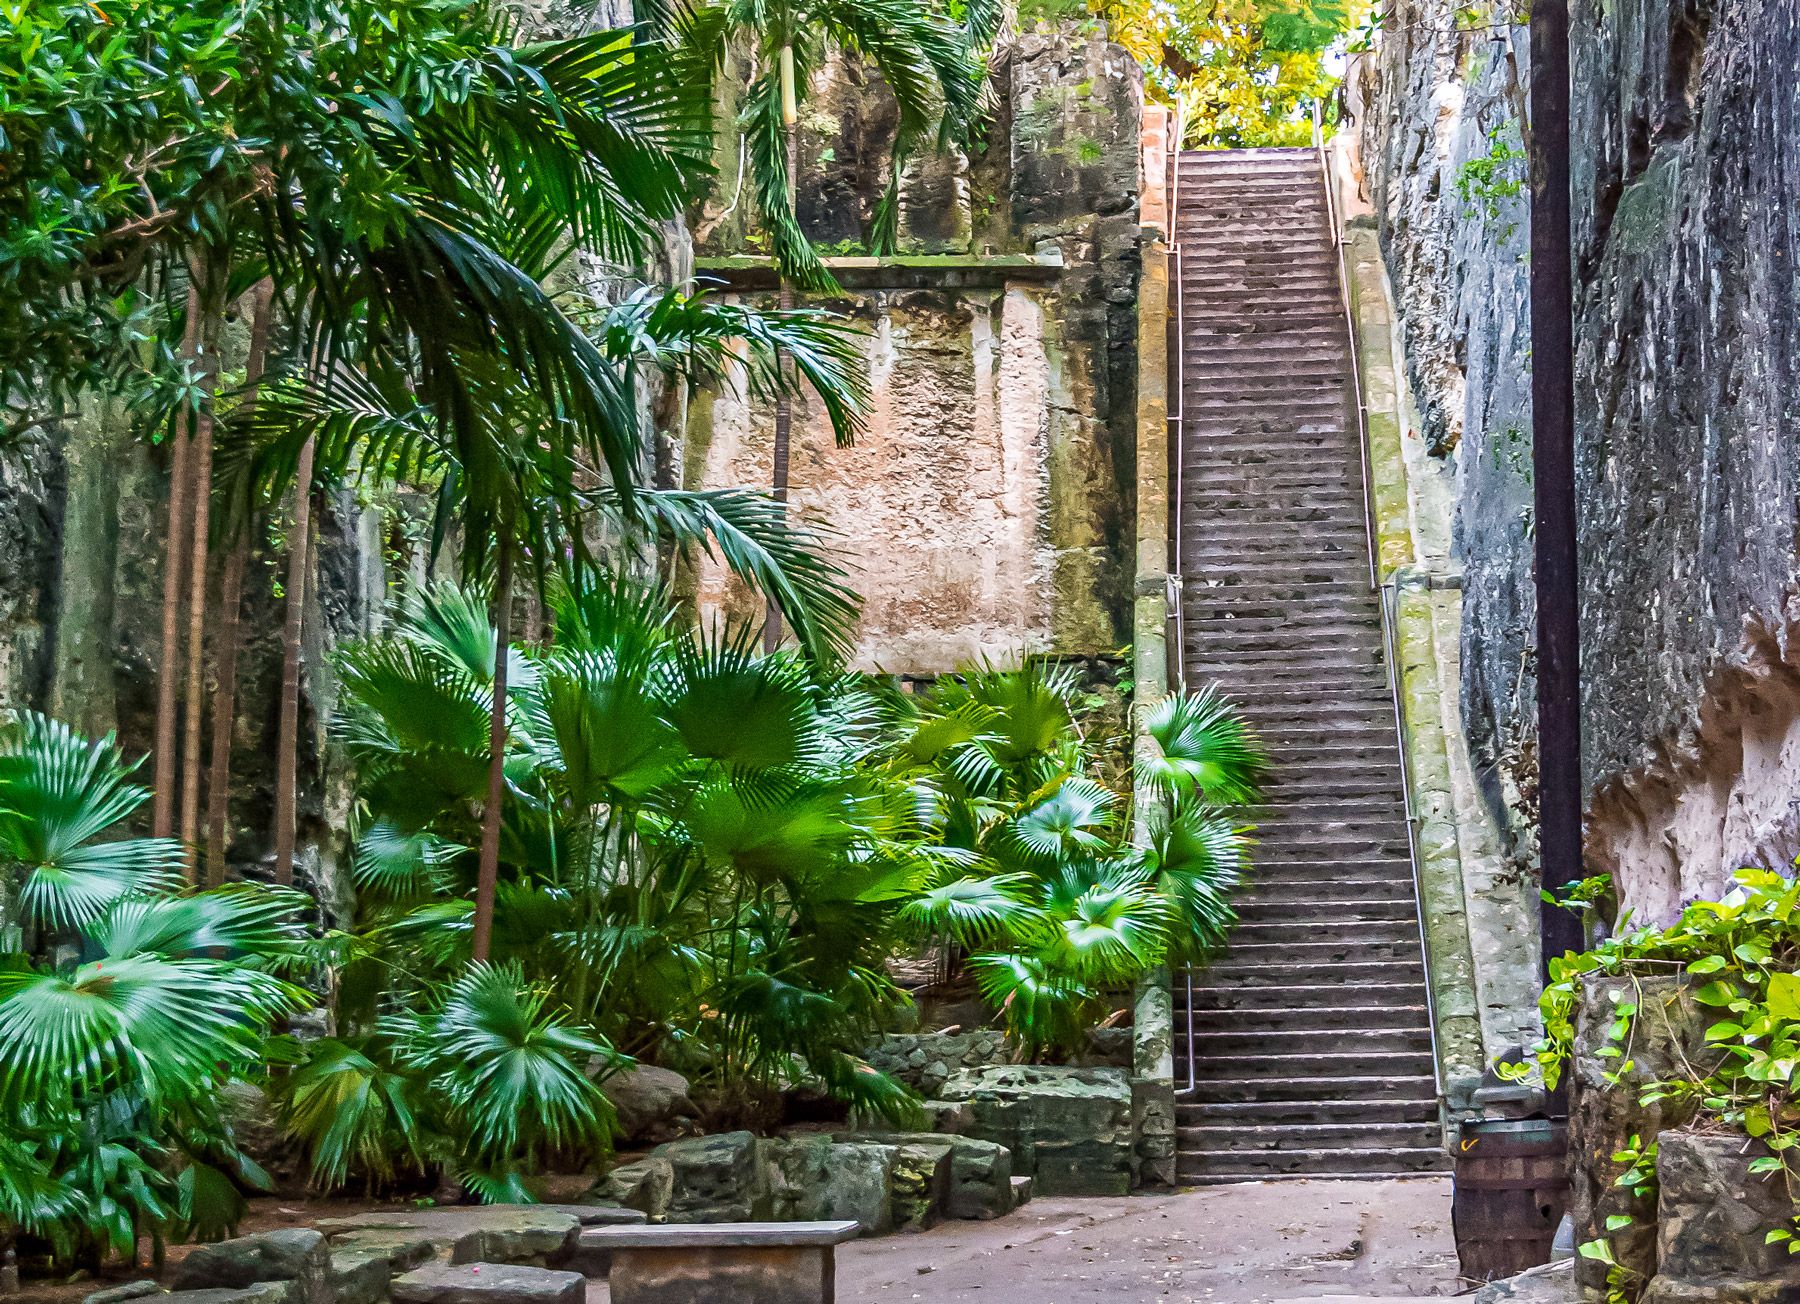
x=1040 y=879
x=113 y=1054
x=1740 y=955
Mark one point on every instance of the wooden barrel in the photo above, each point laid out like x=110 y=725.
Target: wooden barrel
x=1512 y=1186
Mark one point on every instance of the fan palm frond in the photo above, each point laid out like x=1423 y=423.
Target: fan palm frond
x=1204 y=749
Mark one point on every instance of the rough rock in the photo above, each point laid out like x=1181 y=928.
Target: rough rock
x=488 y=1283
x=925 y=1060
x=1687 y=322
x=919 y=1184
x=1067 y=1128
x=495 y=1233
x=715 y=1179
x=815 y=1179
x=651 y=1102
x=291 y=1254
x=360 y=1275
x=981 y=1172
x=1670 y=1027
x=257 y=1129
x=644 y=1185
x=1712 y=1220
x=262 y=1292
x=120 y=1293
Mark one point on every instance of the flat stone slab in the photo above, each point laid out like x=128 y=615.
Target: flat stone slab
x=536 y=1234
x=679 y=1236
x=487 y=1283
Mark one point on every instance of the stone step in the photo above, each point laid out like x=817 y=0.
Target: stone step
x=1216 y=1044
x=1198 y=1168
x=1325 y=973
x=1375 y=1086
x=1304 y=1021
x=1259 y=356
x=1246 y=949
x=1199 y=1114
x=1271 y=885
x=1307 y=995
x=1277 y=1138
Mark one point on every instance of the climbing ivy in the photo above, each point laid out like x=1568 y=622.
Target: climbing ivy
x=1740 y=955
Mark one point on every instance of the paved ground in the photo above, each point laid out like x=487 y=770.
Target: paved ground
x=1259 y=1243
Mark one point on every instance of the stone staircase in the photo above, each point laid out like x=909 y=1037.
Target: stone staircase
x=1311 y=1044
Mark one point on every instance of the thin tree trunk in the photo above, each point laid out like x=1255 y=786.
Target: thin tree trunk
x=784 y=403
x=200 y=507
x=488 y=874
x=287 y=732
x=231 y=602
x=168 y=690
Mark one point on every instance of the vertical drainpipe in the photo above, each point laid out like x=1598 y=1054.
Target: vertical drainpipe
x=1553 y=462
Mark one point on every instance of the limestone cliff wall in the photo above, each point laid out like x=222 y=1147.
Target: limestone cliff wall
x=987 y=509
x=1687 y=166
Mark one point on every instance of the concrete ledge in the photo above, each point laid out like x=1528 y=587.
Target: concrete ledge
x=685 y=1235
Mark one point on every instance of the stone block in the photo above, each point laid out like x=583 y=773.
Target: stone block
x=1068 y=1128
x=742 y=1263
x=296 y=1255
x=488 y=1283
x=263 y=1292
x=716 y=1179
x=1713 y=1217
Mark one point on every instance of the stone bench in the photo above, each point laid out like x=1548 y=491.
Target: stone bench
x=487 y=1283
x=722 y=1263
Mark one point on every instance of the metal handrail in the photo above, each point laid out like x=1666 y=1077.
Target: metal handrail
x=1387 y=593
x=1177 y=402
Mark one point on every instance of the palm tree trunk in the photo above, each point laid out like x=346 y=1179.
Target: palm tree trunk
x=168 y=692
x=200 y=473
x=287 y=731
x=488 y=873
x=784 y=403
x=231 y=601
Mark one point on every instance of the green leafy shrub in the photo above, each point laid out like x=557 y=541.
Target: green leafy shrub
x=1740 y=955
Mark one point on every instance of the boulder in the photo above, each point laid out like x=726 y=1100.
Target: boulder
x=645 y=1186
x=1069 y=1129
x=494 y=1233
x=257 y=1130
x=716 y=1179
x=817 y=1179
x=296 y=1255
x=919 y=1186
x=652 y=1103
x=488 y=1283
x=1712 y=1222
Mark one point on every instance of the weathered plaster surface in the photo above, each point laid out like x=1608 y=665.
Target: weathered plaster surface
x=987 y=509
x=941 y=508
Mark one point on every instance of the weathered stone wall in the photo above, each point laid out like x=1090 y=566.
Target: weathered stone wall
x=1687 y=167
x=986 y=509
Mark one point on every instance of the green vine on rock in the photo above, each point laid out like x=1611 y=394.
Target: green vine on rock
x=1739 y=956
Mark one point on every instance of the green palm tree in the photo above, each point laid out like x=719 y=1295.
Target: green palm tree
x=934 y=66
